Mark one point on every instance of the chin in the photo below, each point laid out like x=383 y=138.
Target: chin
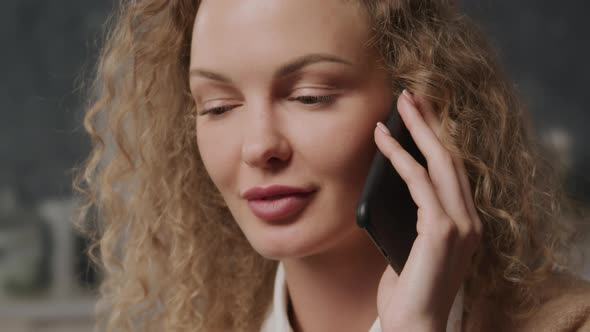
x=275 y=249
x=291 y=242
x=304 y=235
x=287 y=242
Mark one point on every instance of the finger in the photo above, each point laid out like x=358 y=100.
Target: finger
x=433 y=265
x=386 y=287
x=468 y=198
x=427 y=112
x=440 y=164
x=413 y=174
x=435 y=125
x=430 y=253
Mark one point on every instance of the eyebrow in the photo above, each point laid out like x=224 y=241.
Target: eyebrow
x=286 y=69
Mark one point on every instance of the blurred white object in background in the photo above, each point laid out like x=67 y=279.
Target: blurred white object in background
x=64 y=306
x=59 y=213
x=21 y=248
x=559 y=141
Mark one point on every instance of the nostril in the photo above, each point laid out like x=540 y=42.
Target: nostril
x=275 y=161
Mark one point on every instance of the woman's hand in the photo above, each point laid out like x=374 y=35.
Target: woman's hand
x=449 y=229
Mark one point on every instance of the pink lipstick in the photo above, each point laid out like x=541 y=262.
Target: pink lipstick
x=277 y=202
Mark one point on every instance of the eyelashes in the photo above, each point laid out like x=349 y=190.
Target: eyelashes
x=314 y=99
x=306 y=100
x=217 y=110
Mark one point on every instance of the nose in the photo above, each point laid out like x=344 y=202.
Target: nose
x=264 y=144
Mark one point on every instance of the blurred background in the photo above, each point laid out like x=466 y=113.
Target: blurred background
x=49 y=47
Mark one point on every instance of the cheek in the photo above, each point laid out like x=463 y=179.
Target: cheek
x=216 y=153
x=341 y=152
x=345 y=145
x=352 y=155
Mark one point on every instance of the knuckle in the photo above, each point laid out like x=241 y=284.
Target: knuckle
x=437 y=182
x=410 y=125
x=443 y=161
x=447 y=230
x=393 y=149
x=478 y=229
x=471 y=237
x=390 y=154
x=410 y=176
x=445 y=158
x=419 y=173
x=420 y=214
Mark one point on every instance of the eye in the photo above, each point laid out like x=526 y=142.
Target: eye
x=308 y=100
x=217 y=110
x=314 y=99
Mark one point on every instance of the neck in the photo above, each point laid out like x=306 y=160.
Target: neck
x=335 y=290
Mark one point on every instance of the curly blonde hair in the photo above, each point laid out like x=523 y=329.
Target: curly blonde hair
x=159 y=226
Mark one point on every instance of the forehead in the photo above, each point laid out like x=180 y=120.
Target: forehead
x=278 y=29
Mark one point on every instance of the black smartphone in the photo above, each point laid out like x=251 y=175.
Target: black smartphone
x=385 y=208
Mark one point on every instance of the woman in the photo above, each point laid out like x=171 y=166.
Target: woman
x=204 y=107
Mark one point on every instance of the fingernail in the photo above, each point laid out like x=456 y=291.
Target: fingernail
x=383 y=128
x=410 y=97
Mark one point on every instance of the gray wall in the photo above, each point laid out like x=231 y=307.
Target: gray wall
x=45 y=46
x=546 y=47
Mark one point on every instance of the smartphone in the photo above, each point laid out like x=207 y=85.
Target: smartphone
x=385 y=208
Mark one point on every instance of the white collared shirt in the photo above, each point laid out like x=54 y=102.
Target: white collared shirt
x=277 y=320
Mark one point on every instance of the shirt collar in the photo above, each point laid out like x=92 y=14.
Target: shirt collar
x=277 y=319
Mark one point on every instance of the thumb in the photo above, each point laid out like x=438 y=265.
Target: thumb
x=386 y=286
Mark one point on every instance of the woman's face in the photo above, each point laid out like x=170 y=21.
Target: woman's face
x=265 y=63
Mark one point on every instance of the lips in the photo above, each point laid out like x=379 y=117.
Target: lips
x=277 y=202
